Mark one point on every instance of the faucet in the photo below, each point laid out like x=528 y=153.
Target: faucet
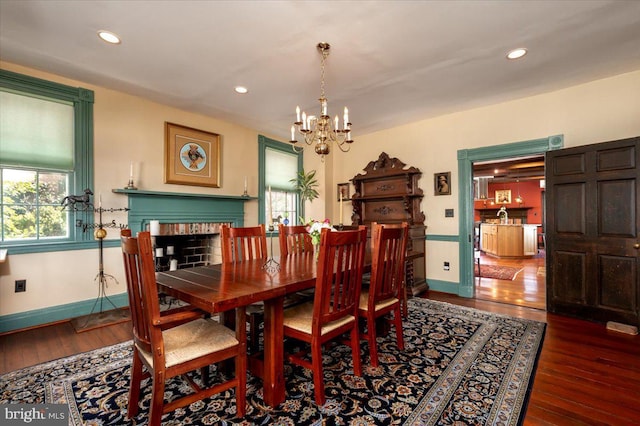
x=504 y=216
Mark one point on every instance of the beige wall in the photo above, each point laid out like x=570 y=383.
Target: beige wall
x=128 y=128
x=599 y=111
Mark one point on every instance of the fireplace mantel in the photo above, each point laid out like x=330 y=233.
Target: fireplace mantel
x=178 y=207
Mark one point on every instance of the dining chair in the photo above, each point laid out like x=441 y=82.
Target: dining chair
x=383 y=296
x=240 y=244
x=294 y=240
x=334 y=310
x=176 y=343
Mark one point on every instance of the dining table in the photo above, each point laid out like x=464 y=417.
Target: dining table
x=222 y=288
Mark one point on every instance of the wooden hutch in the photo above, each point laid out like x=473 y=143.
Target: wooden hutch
x=388 y=192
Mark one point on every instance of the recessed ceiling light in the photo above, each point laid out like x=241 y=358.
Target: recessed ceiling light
x=109 y=37
x=241 y=89
x=517 y=53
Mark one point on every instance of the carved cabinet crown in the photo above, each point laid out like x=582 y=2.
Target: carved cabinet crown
x=387 y=192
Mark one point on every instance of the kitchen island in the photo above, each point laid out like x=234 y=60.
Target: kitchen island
x=509 y=240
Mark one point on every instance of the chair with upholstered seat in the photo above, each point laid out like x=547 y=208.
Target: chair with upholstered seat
x=175 y=343
x=384 y=294
x=240 y=244
x=333 y=311
x=294 y=240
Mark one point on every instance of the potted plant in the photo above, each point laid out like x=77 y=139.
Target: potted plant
x=305 y=184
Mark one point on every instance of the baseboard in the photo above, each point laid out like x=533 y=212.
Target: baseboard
x=39 y=317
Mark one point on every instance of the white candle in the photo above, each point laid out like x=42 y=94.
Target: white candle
x=337 y=122
x=154 y=227
x=245 y=184
x=100 y=201
x=131 y=170
x=340 y=206
x=159 y=252
x=304 y=120
x=346 y=117
x=169 y=250
x=293 y=133
x=297 y=114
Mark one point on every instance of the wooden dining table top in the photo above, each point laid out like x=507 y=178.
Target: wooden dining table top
x=222 y=287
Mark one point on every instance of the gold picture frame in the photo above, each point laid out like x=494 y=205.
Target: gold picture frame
x=503 y=196
x=192 y=156
x=442 y=183
x=343 y=188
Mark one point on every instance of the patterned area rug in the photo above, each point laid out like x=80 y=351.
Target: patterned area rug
x=460 y=366
x=499 y=272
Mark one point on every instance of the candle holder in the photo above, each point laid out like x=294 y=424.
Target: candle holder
x=271 y=266
x=245 y=193
x=130 y=185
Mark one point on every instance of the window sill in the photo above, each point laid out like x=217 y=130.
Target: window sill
x=58 y=246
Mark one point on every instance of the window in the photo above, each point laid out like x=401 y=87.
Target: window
x=278 y=165
x=46 y=153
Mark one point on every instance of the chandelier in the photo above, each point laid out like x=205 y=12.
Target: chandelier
x=317 y=130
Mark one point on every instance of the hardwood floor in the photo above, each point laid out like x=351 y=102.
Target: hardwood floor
x=586 y=375
x=527 y=289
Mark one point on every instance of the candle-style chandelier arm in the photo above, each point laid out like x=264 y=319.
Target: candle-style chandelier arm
x=318 y=130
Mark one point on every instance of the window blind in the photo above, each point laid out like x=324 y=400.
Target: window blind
x=280 y=167
x=36 y=132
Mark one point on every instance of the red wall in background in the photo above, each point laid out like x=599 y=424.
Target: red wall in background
x=530 y=192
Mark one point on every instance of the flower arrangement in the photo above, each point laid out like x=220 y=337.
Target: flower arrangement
x=314 y=228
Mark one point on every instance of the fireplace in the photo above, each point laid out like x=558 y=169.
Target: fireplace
x=189 y=223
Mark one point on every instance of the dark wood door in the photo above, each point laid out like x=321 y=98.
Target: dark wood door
x=593 y=261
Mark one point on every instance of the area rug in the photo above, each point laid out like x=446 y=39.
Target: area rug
x=499 y=272
x=460 y=366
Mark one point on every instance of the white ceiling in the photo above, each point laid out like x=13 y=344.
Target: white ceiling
x=391 y=62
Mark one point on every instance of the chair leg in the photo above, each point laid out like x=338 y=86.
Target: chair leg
x=371 y=340
x=397 y=319
x=241 y=389
x=157 y=398
x=318 y=378
x=355 y=349
x=134 y=387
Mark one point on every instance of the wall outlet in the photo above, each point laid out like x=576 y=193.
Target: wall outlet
x=21 y=285
x=446 y=266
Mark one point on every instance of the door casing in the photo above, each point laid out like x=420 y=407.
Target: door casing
x=466 y=158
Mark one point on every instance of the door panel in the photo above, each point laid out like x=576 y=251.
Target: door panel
x=592 y=231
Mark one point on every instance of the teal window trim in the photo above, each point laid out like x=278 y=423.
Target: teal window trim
x=82 y=177
x=264 y=143
x=466 y=158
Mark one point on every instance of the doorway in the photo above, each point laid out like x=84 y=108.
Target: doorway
x=468 y=264
x=509 y=231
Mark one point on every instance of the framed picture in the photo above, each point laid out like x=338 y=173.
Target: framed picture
x=503 y=196
x=343 y=189
x=442 y=183
x=192 y=156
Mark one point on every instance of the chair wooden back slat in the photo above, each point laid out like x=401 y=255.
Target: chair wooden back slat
x=294 y=240
x=389 y=246
x=339 y=276
x=240 y=244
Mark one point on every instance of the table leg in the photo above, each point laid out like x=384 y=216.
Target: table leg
x=274 y=390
